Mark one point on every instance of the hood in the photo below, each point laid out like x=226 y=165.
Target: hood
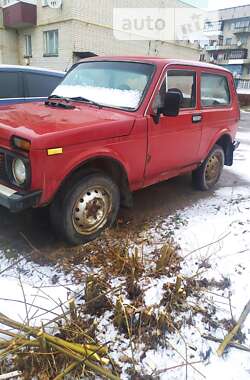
x=47 y=126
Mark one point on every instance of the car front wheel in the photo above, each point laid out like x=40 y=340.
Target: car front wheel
x=208 y=174
x=83 y=211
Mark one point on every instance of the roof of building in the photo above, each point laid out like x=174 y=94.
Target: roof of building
x=242 y=11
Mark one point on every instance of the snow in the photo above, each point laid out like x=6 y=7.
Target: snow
x=105 y=96
x=208 y=221
x=245 y=91
x=225 y=216
x=218 y=229
x=37 y=288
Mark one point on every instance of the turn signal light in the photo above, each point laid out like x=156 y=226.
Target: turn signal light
x=20 y=143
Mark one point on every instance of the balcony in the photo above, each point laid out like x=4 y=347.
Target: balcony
x=20 y=14
x=242 y=30
x=226 y=47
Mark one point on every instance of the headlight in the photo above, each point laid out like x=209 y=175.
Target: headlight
x=19 y=171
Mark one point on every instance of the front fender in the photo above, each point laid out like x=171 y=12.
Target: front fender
x=85 y=157
x=59 y=167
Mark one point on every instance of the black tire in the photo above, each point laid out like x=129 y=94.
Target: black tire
x=72 y=212
x=208 y=174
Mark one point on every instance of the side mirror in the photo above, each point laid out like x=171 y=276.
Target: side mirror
x=172 y=103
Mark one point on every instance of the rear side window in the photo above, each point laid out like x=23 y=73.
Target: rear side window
x=38 y=85
x=184 y=82
x=10 y=85
x=214 y=90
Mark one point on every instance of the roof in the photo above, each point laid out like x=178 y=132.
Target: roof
x=155 y=60
x=232 y=13
x=31 y=68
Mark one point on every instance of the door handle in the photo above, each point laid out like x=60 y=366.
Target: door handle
x=196 y=118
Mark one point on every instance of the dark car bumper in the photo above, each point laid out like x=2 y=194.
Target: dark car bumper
x=15 y=201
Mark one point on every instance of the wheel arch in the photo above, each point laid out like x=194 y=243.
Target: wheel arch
x=106 y=165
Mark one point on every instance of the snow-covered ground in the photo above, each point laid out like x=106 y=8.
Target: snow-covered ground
x=31 y=284
x=221 y=225
x=224 y=218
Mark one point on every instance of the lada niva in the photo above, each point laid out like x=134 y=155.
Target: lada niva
x=115 y=125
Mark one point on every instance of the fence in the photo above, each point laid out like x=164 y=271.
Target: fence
x=242 y=84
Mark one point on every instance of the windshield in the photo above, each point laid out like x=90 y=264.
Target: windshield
x=112 y=84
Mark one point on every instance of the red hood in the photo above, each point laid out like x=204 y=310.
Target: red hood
x=47 y=127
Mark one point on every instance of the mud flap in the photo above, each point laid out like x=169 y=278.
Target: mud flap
x=229 y=158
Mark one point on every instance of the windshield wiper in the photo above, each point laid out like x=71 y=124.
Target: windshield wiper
x=85 y=100
x=59 y=97
x=55 y=103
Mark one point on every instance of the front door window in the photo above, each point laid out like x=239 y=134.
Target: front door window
x=181 y=81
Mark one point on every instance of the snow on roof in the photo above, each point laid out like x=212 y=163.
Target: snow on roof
x=29 y=68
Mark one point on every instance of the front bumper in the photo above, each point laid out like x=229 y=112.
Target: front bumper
x=17 y=201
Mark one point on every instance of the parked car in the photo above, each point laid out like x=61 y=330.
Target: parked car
x=113 y=126
x=19 y=84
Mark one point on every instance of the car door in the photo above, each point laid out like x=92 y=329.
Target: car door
x=38 y=86
x=217 y=108
x=173 y=142
x=11 y=88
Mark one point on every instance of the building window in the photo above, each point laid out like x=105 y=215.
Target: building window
x=5 y=3
x=213 y=26
x=44 y=3
x=50 y=40
x=242 y=40
x=233 y=26
x=28 y=46
x=202 y=58
x=229 y=41
x=242 y=24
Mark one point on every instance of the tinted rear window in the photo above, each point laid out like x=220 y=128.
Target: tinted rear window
x=9 y=85
x=214 y=90
x=38 y=85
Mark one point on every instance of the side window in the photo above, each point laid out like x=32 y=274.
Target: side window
x=182 y=81
x=185 y=83
x=214 y=90
x=9 y=85
x=38 y=85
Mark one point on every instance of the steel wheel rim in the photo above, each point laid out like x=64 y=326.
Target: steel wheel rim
x=91 y=210
x=213 y=168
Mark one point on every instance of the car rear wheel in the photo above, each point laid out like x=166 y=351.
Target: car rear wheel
x=83 y=211
x=208 y=174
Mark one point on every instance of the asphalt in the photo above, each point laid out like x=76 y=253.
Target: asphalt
x=19 y=231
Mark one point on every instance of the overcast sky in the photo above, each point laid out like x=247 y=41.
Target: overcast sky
x=218 y=4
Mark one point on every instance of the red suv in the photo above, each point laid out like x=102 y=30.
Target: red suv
x=115 y=125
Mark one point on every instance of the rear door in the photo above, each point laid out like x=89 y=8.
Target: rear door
x=218 y=114
x=39 y=86
x=11 y=87
x=173 y=143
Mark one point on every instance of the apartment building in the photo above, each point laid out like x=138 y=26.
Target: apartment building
x=228 y=31
x=33 y=33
